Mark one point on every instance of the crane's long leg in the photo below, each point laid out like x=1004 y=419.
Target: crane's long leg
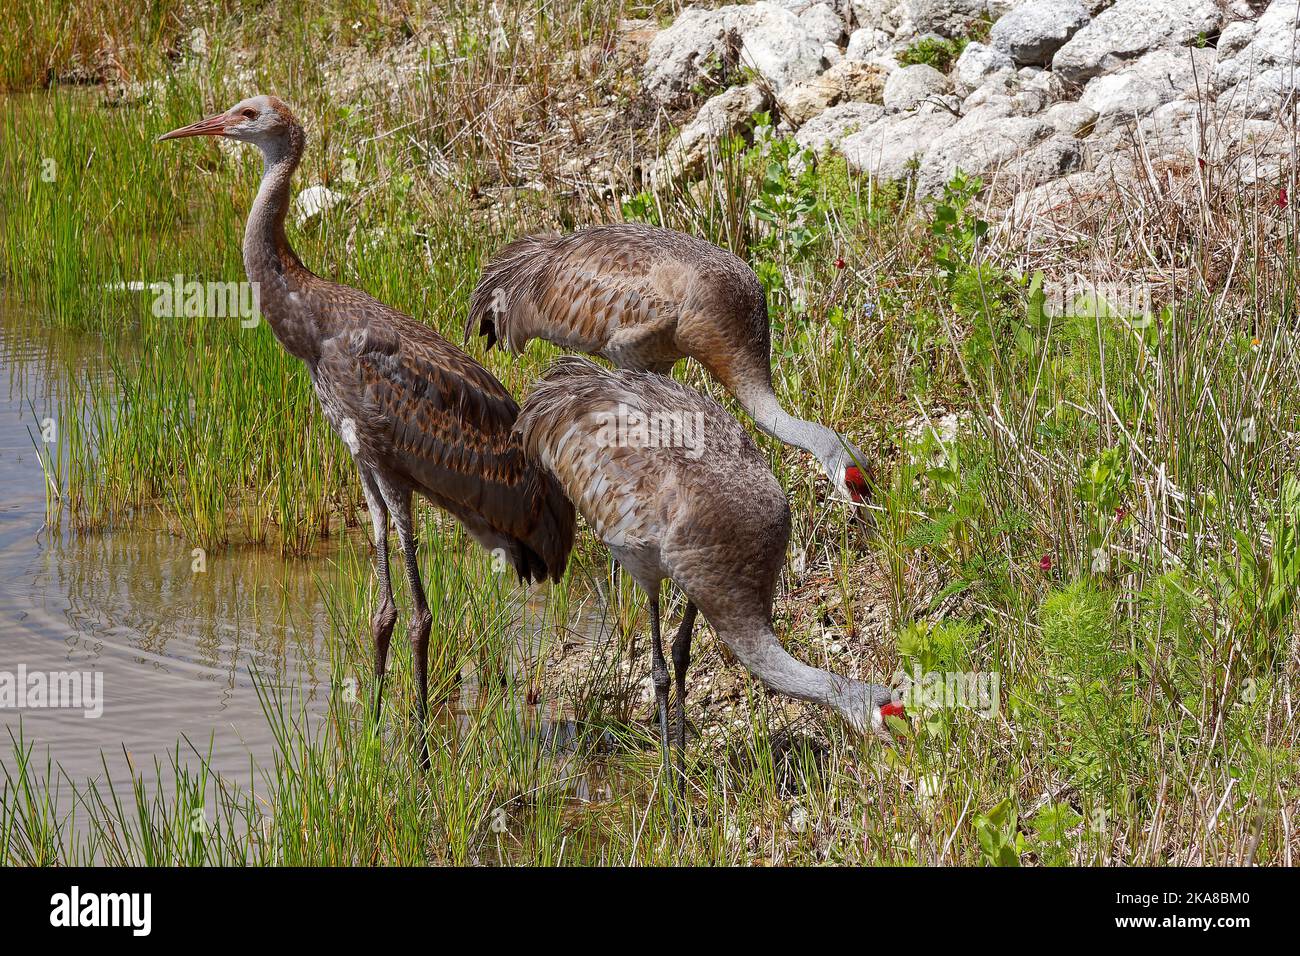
x=385 y=615
x=659 y=673
x=418 y=630
x=612 y=581
x=681 y=661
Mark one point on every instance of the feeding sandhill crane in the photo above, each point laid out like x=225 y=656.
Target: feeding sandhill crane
x=643 y=298
x=416 y=413
x=669 y=480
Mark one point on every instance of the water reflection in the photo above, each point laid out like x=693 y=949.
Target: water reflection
x=175 y=644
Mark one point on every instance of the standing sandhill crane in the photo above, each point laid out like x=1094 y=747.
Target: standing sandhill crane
x=643 y=298
x=417 y=413
x=677 y=489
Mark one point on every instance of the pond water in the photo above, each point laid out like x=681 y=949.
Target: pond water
x=174 y=649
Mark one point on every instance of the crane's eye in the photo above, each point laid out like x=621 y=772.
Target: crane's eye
x=250 y=113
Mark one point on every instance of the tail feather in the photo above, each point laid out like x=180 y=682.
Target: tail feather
x=553 y=540
x=541 y=550
x=507 y=280
x=550 y=403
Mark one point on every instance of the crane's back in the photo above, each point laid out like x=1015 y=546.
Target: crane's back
x=639 y=295
x=664 y=475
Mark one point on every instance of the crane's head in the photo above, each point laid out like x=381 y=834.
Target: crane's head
x=866 y=707
x=264 y=121
x=846 y=466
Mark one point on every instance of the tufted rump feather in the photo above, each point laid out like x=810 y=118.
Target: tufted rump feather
x=639 y=295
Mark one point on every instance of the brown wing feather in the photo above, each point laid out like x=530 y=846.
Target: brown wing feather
x=577 y=290
x=424 y=411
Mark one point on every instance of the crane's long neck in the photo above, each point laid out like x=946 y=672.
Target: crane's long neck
x=761 y=404
x=271 y=263
x=756 y=645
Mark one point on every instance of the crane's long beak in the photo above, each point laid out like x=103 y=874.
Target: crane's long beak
x=212 y=126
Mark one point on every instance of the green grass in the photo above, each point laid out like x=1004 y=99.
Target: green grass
x=495 y=793
x=1111 y=530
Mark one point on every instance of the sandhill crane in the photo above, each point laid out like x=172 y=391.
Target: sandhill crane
x=675 y=487
x=416 y=413
x=643 y=298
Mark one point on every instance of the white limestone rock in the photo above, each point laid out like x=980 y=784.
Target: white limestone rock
x=910 y=86
x=829 y=129
x=315 y=201
x=977 y=65
x=702 y=43
x=1128 y=29
x=1155 y=78
x=891 y=147
x=982 y=142
x=723 y=115
x=1032 y=32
